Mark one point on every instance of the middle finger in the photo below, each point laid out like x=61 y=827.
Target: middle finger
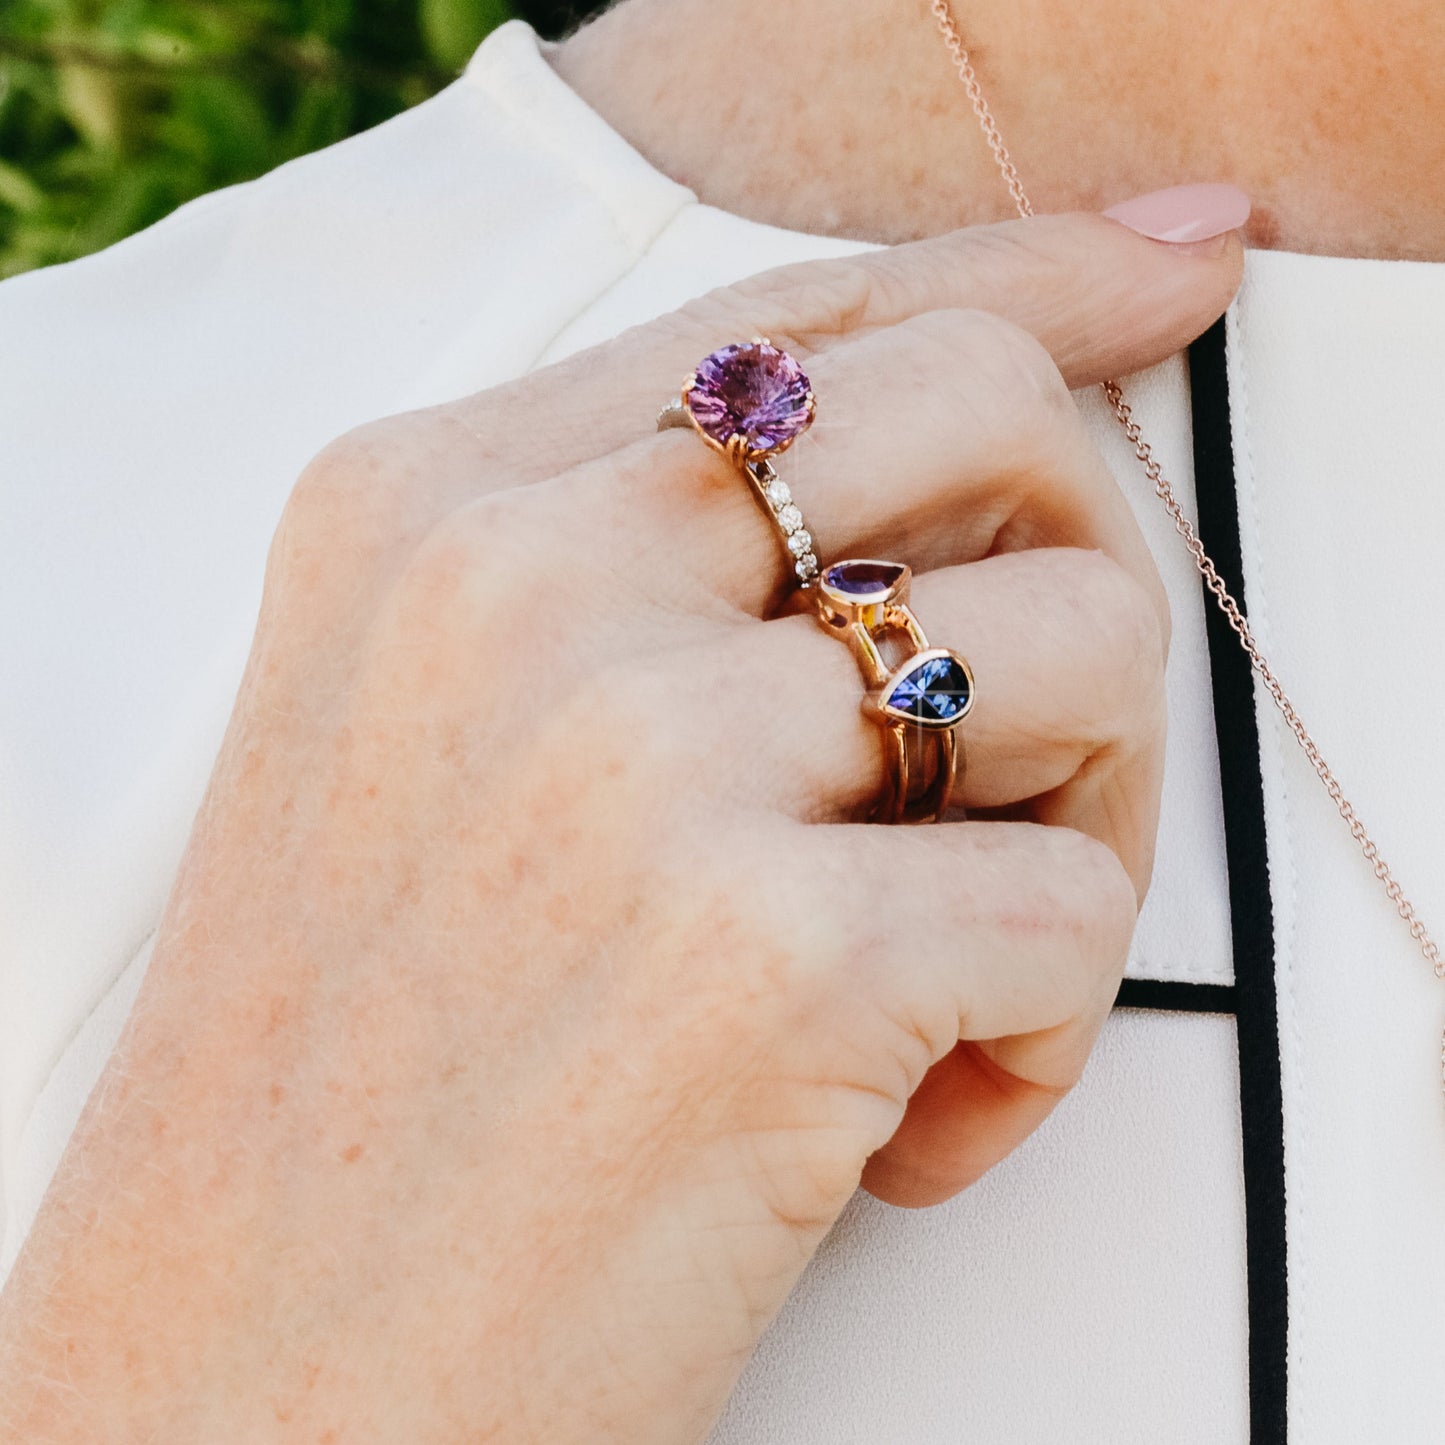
x=938 y=441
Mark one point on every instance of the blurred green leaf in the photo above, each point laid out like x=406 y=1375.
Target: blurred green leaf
x=114 y=112
x=452 y=29
x=18 y=191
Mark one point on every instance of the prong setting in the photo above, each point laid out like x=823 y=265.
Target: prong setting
x=750 y=401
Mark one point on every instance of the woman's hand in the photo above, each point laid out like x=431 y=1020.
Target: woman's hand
x=528 y=1006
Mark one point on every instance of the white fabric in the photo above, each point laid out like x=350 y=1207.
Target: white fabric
x=1066 y=1297
x=157 y=401
x=1336 y=381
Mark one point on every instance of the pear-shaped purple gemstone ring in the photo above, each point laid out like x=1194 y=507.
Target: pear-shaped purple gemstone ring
x=862 y=601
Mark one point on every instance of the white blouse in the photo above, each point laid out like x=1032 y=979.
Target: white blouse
x=156 y=404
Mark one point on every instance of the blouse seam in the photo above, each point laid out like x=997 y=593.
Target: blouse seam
x=475 y=76
x=597 y=299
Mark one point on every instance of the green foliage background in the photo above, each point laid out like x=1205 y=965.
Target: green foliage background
x=114 y=112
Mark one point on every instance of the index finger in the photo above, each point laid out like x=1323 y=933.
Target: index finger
x=1102 y=299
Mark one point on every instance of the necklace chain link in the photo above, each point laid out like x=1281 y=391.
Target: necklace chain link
x=963 y=65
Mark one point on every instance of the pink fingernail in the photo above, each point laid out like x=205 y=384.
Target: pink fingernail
x=1184 y=213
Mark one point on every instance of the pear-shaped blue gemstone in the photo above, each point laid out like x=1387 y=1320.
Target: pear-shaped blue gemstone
x=934 y=693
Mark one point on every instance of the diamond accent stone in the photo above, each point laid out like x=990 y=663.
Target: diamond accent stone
x=790 y=519
x=933 y=693
x=752 y=390
x=806 y=566
x=800 y=543
x=778 y=493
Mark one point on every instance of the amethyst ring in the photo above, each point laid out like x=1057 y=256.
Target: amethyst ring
x=751 y=401
x=919 y=699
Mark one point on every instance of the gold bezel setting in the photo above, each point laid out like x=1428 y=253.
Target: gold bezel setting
x=901 y=675
x=841 y=607
x=864 y=616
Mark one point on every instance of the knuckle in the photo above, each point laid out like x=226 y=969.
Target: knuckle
x=1002 y=375
x=475 y=562
x=444 y=612
x=796 y=305
x=1119 y=612
x=439 y=574
x=1000 y=255
x=464 y=627
x=1092 y=900
x=1018 y=364
x=327 y=543
x=354 y=505
x=350 y=481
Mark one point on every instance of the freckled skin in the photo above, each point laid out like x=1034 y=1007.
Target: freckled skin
x=527 y=1006
x=850 y=121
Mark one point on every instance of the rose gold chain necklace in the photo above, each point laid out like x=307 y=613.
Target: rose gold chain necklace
x=962 y=63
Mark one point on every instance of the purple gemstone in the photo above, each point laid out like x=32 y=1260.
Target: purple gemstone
x=860 y=579
x=753 y=390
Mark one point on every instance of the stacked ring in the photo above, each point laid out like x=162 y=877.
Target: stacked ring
x=751 y=401
x=927 y=695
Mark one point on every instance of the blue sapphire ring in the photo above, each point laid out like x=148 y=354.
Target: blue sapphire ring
x=919 y=699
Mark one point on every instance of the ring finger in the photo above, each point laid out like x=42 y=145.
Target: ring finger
x=1069 y=713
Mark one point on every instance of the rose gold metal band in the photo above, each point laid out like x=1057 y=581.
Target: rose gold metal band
x=922 y=699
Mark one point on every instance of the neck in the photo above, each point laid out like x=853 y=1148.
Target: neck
x=847 y=119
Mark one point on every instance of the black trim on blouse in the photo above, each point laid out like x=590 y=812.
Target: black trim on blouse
x=1199 y=998
x=1252 y=998
x=1250 y=905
